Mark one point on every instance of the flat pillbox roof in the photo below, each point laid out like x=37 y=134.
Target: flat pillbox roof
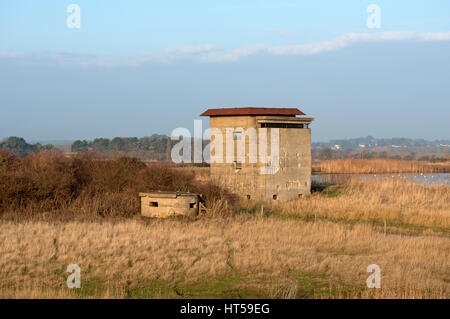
x=252 y=111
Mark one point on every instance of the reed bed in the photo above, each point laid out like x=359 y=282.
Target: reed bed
x=378 y=166
x=399 y=203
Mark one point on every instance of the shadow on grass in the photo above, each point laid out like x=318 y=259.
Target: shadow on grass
x=331 y=190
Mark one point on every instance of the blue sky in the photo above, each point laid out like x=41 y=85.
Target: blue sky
x=140 y=67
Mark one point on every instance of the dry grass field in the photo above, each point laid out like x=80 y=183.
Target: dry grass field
x=313 y=247
x=241 y=257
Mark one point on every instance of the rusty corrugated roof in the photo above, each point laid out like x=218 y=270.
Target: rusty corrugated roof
x=290 y=111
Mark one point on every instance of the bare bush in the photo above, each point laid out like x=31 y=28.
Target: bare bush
x=52 y=184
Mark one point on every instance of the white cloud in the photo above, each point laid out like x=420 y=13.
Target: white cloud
x=190 y=49
x=337 y=43
x=75 y=59
x=233 y=55
x=211 y=53
x=349 y=39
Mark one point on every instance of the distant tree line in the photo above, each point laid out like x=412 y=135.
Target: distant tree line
x=371 y=142
x=156 y=147
x=19 y=147
x=328 y=154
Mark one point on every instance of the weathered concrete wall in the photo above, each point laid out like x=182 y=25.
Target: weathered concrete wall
x=294 y=176
x=292 y=180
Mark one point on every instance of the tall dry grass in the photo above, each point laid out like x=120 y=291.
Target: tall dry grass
x=377 y=166
x=246 y=257
x=402 y=204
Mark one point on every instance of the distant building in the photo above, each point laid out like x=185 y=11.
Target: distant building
x=292 y=177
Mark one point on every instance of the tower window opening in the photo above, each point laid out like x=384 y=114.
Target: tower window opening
x=237 y=135
x=282 y=125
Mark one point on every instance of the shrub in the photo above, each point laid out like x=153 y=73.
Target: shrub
x=51 y=183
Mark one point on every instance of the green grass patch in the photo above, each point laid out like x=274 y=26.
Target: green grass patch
x=236 y=285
